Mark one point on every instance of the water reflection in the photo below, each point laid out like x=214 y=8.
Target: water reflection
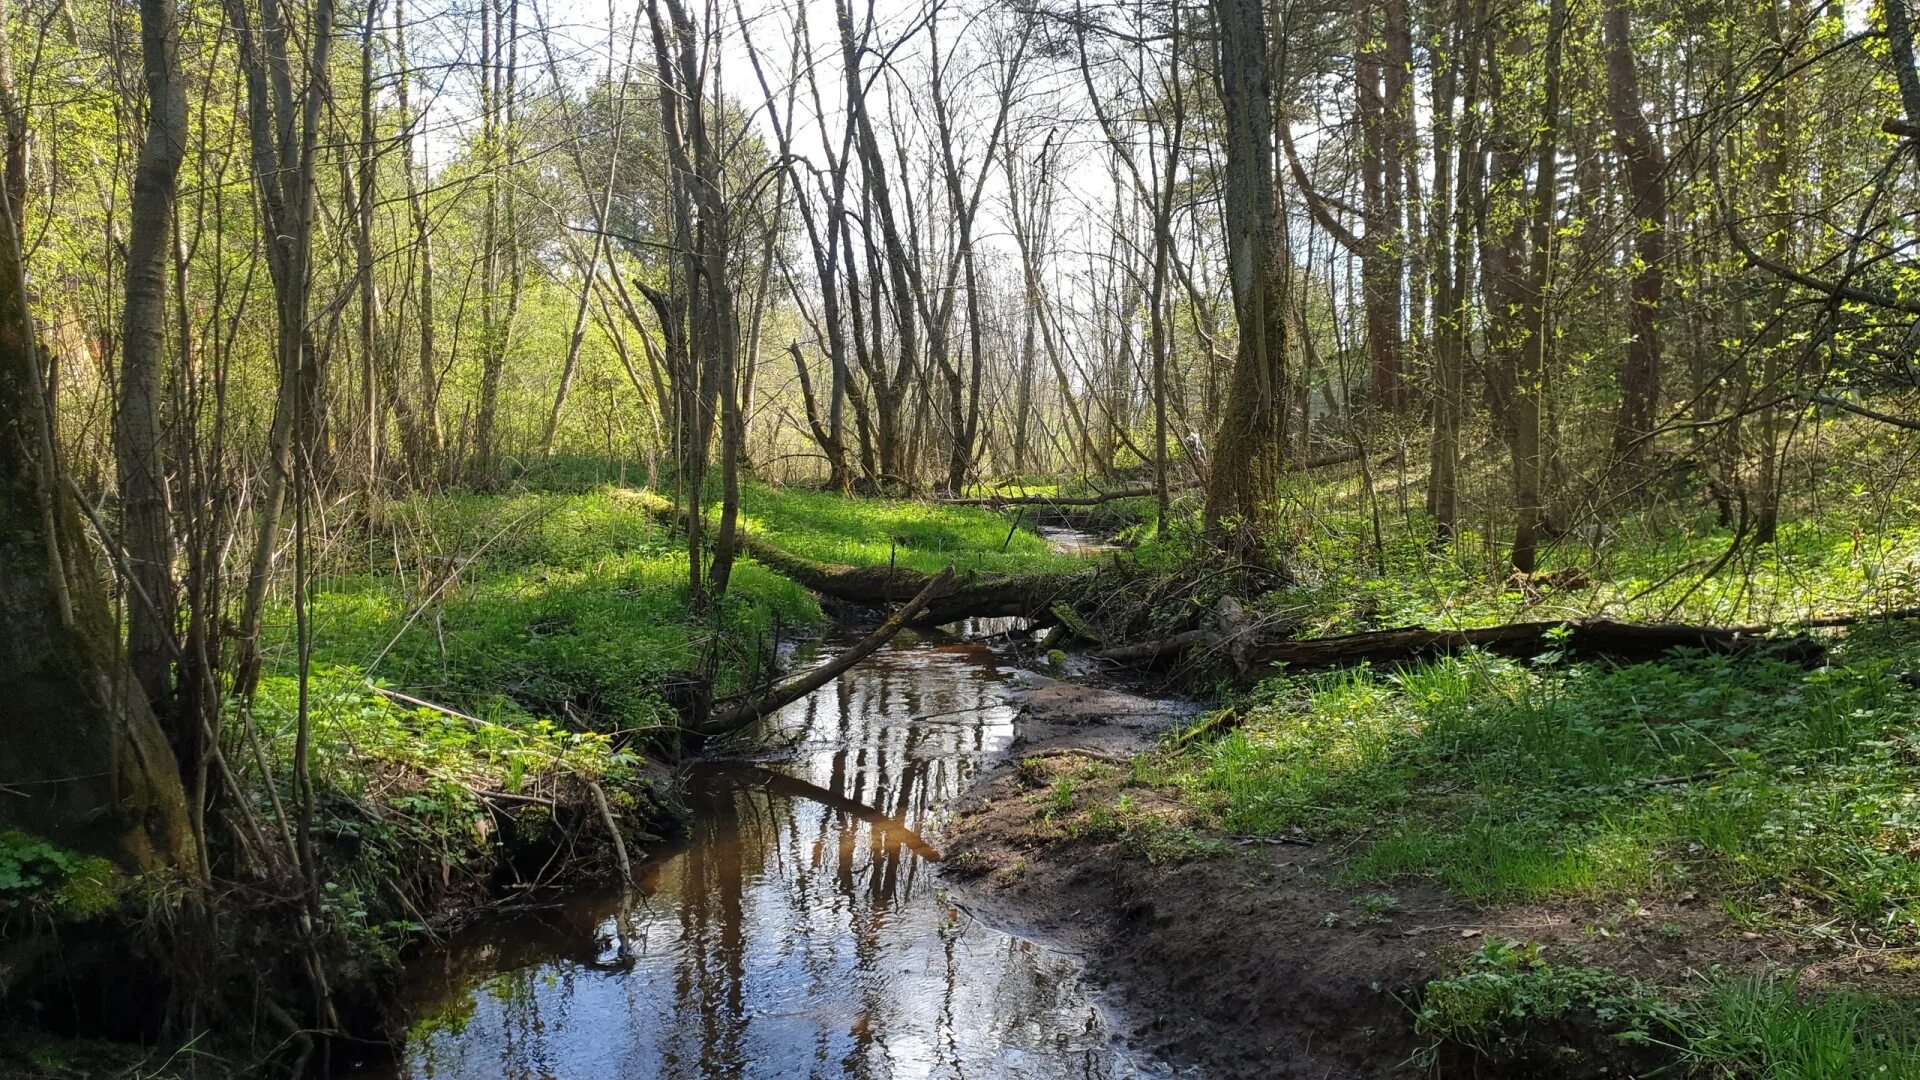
x=800 y=930
x=1068 y=541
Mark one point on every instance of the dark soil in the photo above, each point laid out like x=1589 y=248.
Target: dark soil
x=1250 y=959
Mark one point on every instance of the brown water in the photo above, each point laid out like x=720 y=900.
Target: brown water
x=801 y=930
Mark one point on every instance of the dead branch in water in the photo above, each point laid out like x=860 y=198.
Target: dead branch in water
x=800 y=686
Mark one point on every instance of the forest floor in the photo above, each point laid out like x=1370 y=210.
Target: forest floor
x=1705 y=865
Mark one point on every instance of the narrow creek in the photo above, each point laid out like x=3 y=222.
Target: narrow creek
x=799 y=929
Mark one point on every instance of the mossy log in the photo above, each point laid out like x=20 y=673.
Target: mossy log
x=972 y=595
x=1595 y=638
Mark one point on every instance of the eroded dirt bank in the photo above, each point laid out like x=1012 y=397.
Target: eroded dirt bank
x=1230 y=959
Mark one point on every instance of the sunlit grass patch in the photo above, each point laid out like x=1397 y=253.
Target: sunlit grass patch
x=1772 y=1027
x=917 y=534
x=567 y=607
x=1720 y=1027
x=1757 y=779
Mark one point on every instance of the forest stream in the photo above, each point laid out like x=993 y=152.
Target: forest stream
x=799 y=927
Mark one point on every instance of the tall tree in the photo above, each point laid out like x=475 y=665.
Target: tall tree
x=1536 y=337
x=1644 y=166
x=146 y=528
x=83 y=761
x=1249 y=449
x=283 y=124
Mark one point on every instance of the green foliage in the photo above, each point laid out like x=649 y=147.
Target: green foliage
x=568 y=607
x=402 y=790
x=1754 y=777
x=39 y=876
x=1770 y=1027
x=1505 y=987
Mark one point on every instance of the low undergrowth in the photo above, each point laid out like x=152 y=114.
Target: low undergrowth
x=1765 y=798
x=568 y=607
x=1501 y=997
x=1786 y=792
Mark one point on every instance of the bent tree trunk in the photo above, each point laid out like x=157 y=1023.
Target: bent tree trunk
x=82 y=760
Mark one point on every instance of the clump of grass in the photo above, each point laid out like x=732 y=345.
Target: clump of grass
x=1771 y=1027
x=1504 y=988
x=1756 y=1026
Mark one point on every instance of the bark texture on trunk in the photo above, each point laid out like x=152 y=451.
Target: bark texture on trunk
x=146 y=533
x=1249 y=451
x=1645 y=166
x=83 y=762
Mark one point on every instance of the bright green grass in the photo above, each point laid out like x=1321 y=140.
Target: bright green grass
x=1649 y=569
x=1770 y=1027
x=1849 y=541
x=1726 y=1027
x=569 y=607
x=574 y=606
x=871 y=532
x=1755 y=780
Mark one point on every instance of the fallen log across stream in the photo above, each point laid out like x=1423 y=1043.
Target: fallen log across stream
x=1148 y=491
x=971 y=595
x=1584 y=638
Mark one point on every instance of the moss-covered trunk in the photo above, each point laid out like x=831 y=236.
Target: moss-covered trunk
x=82 y=760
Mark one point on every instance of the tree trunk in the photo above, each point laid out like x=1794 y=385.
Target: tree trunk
x=83 y=762
x=283 y=130
x=1249 y=450
x=146 y=530
x=1645 y=166
x=1530 y=374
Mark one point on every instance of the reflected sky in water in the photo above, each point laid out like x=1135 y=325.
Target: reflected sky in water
x=800 y=931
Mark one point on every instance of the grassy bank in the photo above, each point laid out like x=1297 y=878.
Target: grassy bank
x=481 y=662
x=1729 y=846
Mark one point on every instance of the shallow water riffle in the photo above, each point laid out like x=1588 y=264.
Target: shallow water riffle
x=799 y=930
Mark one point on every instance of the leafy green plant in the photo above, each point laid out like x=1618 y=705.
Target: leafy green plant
x=1506 y=986
x=36 y=875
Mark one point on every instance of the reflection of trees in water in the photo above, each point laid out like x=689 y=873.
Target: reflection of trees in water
x=803 y=882
x=710 y=969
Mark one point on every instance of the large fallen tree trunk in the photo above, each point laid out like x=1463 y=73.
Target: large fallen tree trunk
x=1059 y=500
x=1607 y=638
x=968 y=596
x=1321 y=461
